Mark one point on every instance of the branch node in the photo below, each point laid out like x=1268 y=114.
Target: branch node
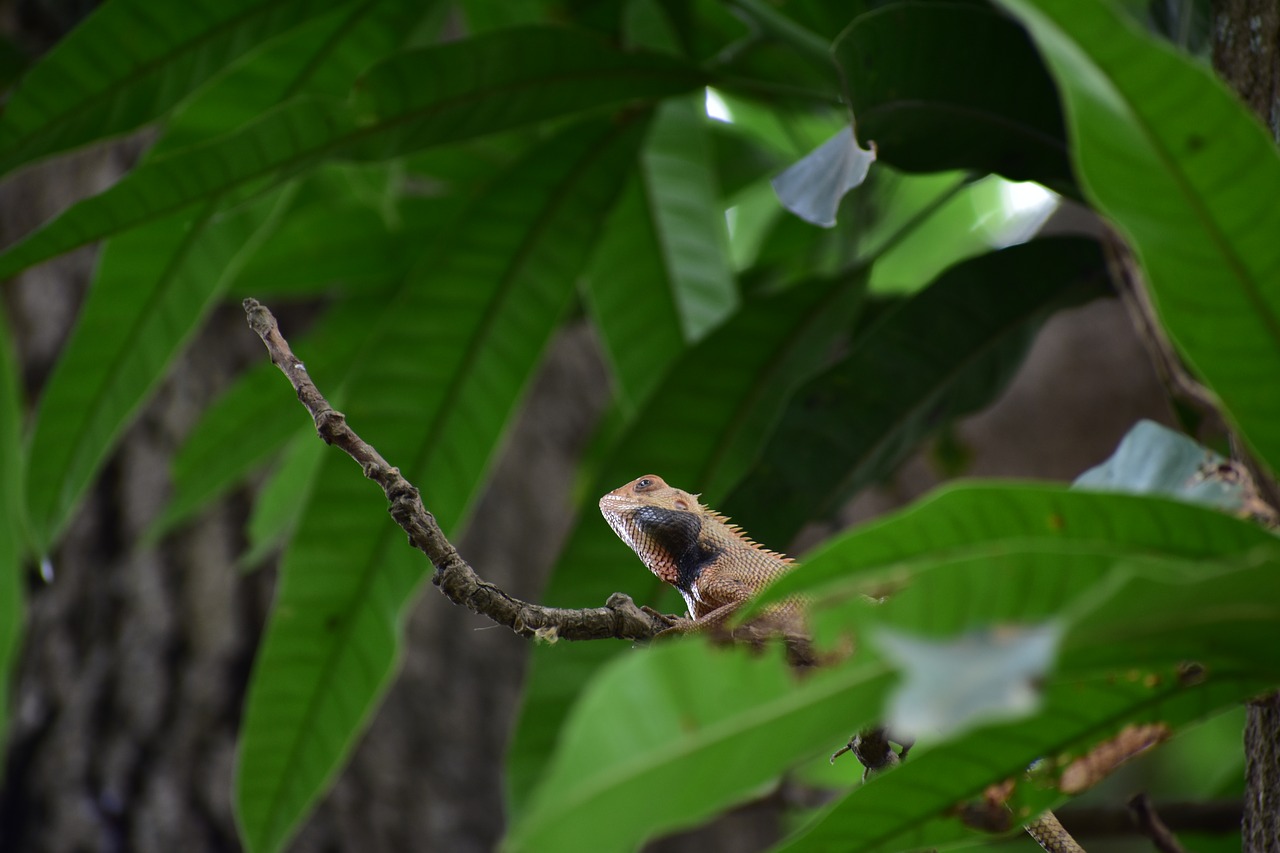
x=620 y=619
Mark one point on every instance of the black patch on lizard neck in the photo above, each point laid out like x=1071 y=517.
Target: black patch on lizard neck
x=679 y=534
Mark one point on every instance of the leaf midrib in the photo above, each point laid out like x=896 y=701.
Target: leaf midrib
x=386 y=536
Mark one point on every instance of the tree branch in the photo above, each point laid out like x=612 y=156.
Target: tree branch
x=1215 y=817
x=1262 y=494
x=620 y=618
x=1150 y=825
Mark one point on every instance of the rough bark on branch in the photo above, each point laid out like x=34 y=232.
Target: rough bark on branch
x=619 y=618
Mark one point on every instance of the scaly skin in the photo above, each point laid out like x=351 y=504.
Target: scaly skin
x=717 y=567
x=714 y=565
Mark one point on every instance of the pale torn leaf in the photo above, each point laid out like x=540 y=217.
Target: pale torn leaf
x=1154 y=460
x=813 y=186
x=982 y=676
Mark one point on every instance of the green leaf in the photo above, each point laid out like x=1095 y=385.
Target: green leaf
x=979 y=521
x=153 y=288
x=472 y=321
x=1196 y=603
x=661 y=276
x=245 y=427
x=12 y=528
x=974 y=220
x=478 y=86
x=914 y=806
x=727 y=389
x=323 y=56
x=334 y=242
x=283 y=498
x=947 y=351
x=131 y=61
x=688 y=215
x=638 y=323
x=705 y=727
x=1143 y=586
x=942 y=86
x=1169 y=155
x=189 y=278
x=1123 y=662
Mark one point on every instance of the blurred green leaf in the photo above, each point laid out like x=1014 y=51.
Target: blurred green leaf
x=455 y=349
x=1078 y=712
x=688 y=216
x=129 y=62
x=479 y=86
x=246 y=426
x=977 y=218
x=284 y=497
x=323 y=56
x=12 y=510
x=980 y=521
x=728 y=389
x=940 y=86
x=661 y=275
x=945 y=352
x=1209 y=594
x=1169 y=155
x=1145 y=586
x=630 y=297
x=705 y=727
x=164 y=277
x=341 y=244
x=153 y=288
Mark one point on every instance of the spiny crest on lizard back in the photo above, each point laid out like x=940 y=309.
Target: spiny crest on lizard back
x=651 y=490
x=700 y=552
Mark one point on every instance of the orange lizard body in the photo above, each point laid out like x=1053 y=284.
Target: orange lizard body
x=714 y=565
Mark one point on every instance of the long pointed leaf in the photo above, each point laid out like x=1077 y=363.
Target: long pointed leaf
x=324 y=56
x=980 y=518
x=668 y=230
x=12 y=529
x=704 y=728
x=941 y=86
x=727 y=391
x=915 y=806
x=1169 y=155
x=680 y=712
x=165 y=276
x=129 y=62
x=247 y=426
x=688 y=216
x=638 y=324
x=455 y=350
x=415 y=100
x=153 y=288
x=945 y=352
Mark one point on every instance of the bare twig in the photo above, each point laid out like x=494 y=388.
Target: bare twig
x=1216 y=817
x=620 y=617
x=1150 y=825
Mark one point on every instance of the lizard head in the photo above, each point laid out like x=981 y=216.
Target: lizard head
x=659 y=522
x=649 y=490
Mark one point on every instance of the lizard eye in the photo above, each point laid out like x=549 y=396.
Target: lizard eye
x=643 y=483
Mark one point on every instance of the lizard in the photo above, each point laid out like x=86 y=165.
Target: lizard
x=717 y=567
x=714 y=565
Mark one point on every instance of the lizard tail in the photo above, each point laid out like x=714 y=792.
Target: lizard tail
x=1050 y=834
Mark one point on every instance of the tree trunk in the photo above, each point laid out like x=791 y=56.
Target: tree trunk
x=1246 y=53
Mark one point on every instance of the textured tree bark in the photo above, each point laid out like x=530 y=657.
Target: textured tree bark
x=1246 y=53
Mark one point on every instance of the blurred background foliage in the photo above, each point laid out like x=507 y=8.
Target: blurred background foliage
x=436 y=195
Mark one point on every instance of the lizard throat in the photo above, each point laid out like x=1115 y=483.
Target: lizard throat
x=669 y=542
